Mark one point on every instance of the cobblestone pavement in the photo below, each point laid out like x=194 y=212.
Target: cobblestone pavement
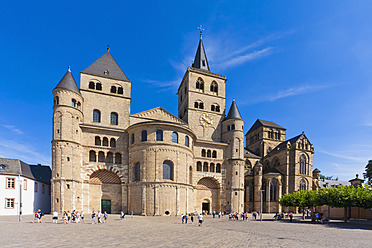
x=169 y=232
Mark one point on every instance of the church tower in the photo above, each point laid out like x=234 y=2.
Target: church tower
x=201 y=98
x=66 y=144
x=233 y=135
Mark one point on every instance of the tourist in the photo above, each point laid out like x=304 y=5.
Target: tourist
x=219 y=215
x=68 y=216
x=182 y=218
x=200 y=217
x=73 y=216
x=122 y=215
x=192 y=218
x=40 y=214
x=99 y=214
x=186 y=216
x=93 y=217
x=65 y=218
x=105 y=217
x=316 y=216
x=36 y=217
x=290 y=216
x=214 y=214
x=82 y=217
x=77 y=217
x=55 y=216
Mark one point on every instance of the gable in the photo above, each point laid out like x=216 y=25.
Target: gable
x=158 y=114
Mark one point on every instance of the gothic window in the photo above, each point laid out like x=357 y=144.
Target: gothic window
x=205 y=167
x=203 y=153
x=92 y=156
x=120 y=90
x=214 y=154
x=187 y=141
x=199 y=166
x=303 y=168
x=144 y=135
x=273 y=191
x=113 y=89
x=96 y=115
x=98 y=86
x=112 y=142
x=73 y=103
x=175 y=137
x=101 y=157
x=218 y=168
x=302 y=185
x=159 y=135
x=110 y=157
x=211 y=167
x=117 y=158
x=97 y=141
x=114 y=118
x=214 y=88
x=91 y=85
x=105 y=141
x=209 y=154
x=132 y=138
x=200 y=84
x=168 y=170
x=136 y=172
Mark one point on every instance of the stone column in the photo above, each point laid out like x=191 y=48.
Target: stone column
x=143 y=199
x=156 y=200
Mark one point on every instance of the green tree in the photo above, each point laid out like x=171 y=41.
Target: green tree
x=368 y=173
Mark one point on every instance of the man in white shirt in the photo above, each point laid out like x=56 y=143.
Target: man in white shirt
x=200 y=217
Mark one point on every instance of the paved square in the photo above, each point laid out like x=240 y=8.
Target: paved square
x=169 y=232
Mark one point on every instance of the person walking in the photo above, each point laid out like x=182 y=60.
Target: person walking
x=192 y=218
x=93 y=217
x=99 y=217
x=122 y=215
x=186 y=216
x=77 y=217
x=68 y=216
x=65 y=218
x=82 y=216
x=105 y=217
x=183 y=218
x=55 y=216
x=201 y=218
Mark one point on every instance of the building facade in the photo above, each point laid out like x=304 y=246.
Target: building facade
x=28 y=184
x=156 y=163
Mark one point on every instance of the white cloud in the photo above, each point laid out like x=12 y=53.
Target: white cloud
x=345 y=155
x=242 y=58
x=13 y=129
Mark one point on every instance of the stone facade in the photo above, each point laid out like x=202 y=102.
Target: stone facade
x=154 y=163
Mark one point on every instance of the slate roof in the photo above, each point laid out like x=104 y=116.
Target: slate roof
x=17 y=167
x=260 y=123
x=201 y=61
x=233 y=112
x=283 y=145
x=107 y=67
x=68 y=82
x=272 y=170
x=332 y=183
x=250 y=154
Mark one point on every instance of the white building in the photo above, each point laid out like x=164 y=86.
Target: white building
x=30 y=183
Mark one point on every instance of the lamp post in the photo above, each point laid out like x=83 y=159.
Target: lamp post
x=20 y=199
x=262 y=190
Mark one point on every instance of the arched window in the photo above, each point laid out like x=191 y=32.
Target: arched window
x=56 y=101
x=98 y=86
x=209 y=154
x=92 y=156
x=73 y=103
x=199 y=166
x=132 y=138
x=213 y=107
x=137 y=172
x=96 y=115
x=159 y=135
x=110 y=157
x=273 y=191
x=217 y=108
x=91 y=85
x=200 y=84
x=101 y=157
x=112 y=142
x=203 y=153
x=199 y=104
x=303 y=185
x=233 y=127
x=114 y=118
x=117 y=158
x=196 y=105
x=214 y=154
x=144 y=135
x=187 y=142
x=211 y=167
x=97 y=141
x=78 y=105
x=218 y=168
x=120 y=90
x=214 y=88
x=113 y=89
x=303 y=165
x=105 y=141
x=205 y=167
x=168 y=170
x=175 y=137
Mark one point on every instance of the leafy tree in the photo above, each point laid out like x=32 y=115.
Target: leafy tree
x=368 y=173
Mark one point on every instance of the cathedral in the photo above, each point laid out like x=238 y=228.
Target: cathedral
x=155 y=163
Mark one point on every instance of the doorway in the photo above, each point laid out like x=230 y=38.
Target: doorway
x=205 y=207
x=106 y=206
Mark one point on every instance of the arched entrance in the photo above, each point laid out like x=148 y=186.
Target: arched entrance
x=208 y=195
x=105 y=192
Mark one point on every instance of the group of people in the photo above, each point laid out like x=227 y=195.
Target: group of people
x=77 y=217
x=37 y=216
x=281 y=216
x=185 y=217
x=242 y=216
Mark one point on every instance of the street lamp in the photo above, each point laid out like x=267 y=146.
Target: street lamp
x=20 y=198
x=262 y=190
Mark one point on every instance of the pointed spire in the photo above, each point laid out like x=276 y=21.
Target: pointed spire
x=233 y=112
x=200 y=60
x=107 y=67
x=68 y=82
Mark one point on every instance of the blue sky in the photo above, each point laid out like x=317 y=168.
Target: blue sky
x=306 y=65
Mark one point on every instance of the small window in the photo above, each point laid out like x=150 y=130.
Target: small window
x=200 y=84
x=175 y=137
x=2 y=167
x=214 y=154
x=218 y=168
x=159 y=135
x=232 y=127
x=205 y=167
x=113 y=89
x=187 y=141
x=96 y=116
x=209 y=154
x=114 y=118
x=217 y=108
x=196 y=105
x=78 y=105
x=136 y=172
x=101 y=157
x=98 y=86
x=24 y=184
x=199 y=166
x=211 y=167
x=168 y=170
x=228 y=128
x=132 y=138
x=144 y=135
x=212 y=107
x=9 y=203
x=91 y=85
x=117 y=158
x=105 y=141
x=97 y=141
x=203 y=153
x=73 y=103
x=92 y=156
x=110 y=157
x=10 y=183
x=201 y=105
x=120 y=91
x=112 y=142
x=56 y=100
x=214 y=88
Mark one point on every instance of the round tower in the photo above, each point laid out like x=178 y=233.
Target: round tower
x=233 y=134
x=258 y=171
x=66 y=148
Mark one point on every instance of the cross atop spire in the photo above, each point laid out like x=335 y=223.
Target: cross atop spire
x=201 y=30
x=200 y=60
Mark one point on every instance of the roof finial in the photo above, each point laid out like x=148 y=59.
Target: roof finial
x=201 y=30
x=108 y=48
x=69 y=68
x=234 y=99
